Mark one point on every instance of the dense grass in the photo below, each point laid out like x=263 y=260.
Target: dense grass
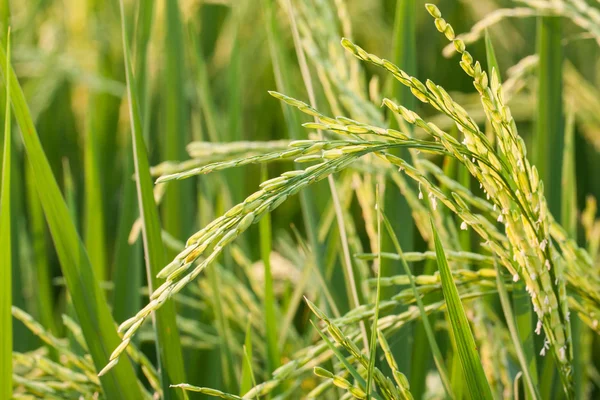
x=452 y=253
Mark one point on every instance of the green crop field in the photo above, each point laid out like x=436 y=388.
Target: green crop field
x=299 y=199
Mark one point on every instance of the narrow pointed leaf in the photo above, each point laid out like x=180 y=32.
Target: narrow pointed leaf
x=6 y=254
x=548 y=137
x=178 y=201
x=127 y=272
x=465 y=343
x=569 y=222
x=395 y=204
x=435 y=350
x=38 y=245
x=247 y=376
x=167 y=341
x=95 y=241
x=373 y=339
x=224 y=331
x=490 y=53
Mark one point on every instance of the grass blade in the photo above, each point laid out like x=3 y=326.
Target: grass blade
x=167 y=341
x=465 y=343
x=490 y=53
x=6 y=332
x=39 y=242
x=127 y=273
x=247 y=380
x=88 y=299
x=569 y=180
x=281 y=70
x=203 y=90
x=548 y=139
x=514 y=334
x=69 y=190
x=395 y=205
x=373 y=344
x=95 y=241
x=435 y=350
x=397 y=209
x=569 y=222
x=178 y=202
x=234 y=84
x=145 y=13
x=224 y=331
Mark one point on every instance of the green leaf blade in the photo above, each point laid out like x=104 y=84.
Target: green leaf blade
x=95 y=240
x=6 y=345
x=178 y=200
x=167 y=342
x=429 y=333
x=396 y=206
x=465 y=343
x=548 y=138
x=247 y=380
x=127 y=263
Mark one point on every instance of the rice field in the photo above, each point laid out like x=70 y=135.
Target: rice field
x=300 y=199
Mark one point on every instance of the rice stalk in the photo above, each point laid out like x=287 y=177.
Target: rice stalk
x=6 y=340
x=167 y=342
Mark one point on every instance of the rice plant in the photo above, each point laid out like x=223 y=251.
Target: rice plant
x=166 y=230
